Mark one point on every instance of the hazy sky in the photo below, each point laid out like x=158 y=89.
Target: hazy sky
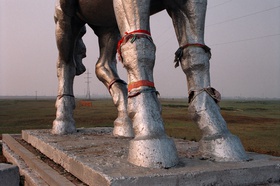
x=244 y=36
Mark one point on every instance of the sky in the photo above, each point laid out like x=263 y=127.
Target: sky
x=244 y=36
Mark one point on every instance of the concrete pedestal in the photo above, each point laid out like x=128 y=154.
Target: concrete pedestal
x=96 y=157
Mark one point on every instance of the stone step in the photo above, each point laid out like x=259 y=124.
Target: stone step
x=98 y=158
x=35 y=171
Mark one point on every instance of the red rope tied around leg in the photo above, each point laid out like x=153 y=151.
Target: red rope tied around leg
x=140 y=83
x=136 y=34
x=149 y=89
x=179 y=52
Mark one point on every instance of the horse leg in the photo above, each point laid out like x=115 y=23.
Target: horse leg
x=67 y=29
x=217 y=142
x=150 y=147
x=106 y=71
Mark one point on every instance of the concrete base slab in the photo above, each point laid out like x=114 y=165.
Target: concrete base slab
x=9 y=174
x=96 y=157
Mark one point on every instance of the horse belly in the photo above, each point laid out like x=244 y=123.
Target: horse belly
x=97 y=12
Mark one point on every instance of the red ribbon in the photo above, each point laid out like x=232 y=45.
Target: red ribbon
x=140 y=83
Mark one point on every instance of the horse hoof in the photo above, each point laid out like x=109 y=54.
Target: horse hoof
x=222 y=148
x=63 y=127
x=123 y=127
x=153 y=152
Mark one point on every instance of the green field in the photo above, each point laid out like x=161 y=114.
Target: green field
x=257 y=123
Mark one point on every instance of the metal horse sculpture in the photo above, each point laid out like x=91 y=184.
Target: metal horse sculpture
x=123 y=26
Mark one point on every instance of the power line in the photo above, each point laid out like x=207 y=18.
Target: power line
x=254 y=13
x=233 y=19
x=168 y=29
x=230 y=42
x=219 y=4
x=261 y=37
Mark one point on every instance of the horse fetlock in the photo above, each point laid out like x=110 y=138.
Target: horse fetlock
x=206 y=113
x=119 y=96
x=144 y=110
x=217 y=142
x=118 y=92
x=123 y=124
x=151 y=147
x=64 y=122
x=123 y=127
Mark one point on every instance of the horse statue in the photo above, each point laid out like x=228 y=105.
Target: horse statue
x=123 y=26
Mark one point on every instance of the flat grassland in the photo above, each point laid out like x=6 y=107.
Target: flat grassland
x=255 y=122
